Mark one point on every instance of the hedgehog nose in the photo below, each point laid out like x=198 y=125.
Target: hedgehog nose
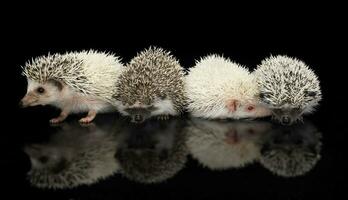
x=138 y=118
x=286 y=120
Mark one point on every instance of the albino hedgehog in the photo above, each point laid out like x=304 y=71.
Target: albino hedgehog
x=219 y=88
x=151 y=85
x=288 y=87
x=74 y=82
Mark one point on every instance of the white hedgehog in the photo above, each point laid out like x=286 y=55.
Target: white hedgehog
x=74 y=156
x=151 y=85
x=288 y=87
x=221 y=145
x=74 y=82
x=219 y=88
x=291 y=151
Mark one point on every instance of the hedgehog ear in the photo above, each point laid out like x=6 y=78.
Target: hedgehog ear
x=56 y=83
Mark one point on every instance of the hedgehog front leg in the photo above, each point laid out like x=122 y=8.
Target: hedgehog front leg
x=62 y=116
x=232 y=105
x=90 y=116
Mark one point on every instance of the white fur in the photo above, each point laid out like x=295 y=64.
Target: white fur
x=164 y=107
x=102 y=71
x=70 y=100
x=216 y=80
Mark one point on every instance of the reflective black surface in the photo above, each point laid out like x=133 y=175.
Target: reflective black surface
x=180 y=157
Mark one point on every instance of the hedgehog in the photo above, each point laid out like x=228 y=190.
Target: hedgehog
x=72 y=157
x=153 y=151
x=217 y=88
x=291 y=151
x=74 y=82
x=221 y=145
x=288 y=87
x=151 y=86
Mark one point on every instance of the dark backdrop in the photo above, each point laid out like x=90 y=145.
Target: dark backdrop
x=318 y=40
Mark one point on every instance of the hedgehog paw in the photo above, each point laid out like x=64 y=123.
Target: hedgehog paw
x=63 y=115
x=90 y=116
x=232 y=105
x=163 y=117
x=56 y=120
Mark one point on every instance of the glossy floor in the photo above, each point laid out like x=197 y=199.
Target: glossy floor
x=112 y=158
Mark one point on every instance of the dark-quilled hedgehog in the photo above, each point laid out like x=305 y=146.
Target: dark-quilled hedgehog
x=151 y=85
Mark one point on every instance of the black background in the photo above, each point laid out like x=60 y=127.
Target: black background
x=317 y=37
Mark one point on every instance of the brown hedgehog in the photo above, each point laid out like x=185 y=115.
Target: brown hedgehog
x=151 y=85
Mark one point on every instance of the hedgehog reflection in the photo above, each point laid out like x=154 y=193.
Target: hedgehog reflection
x=291 y=151
x=74 y=156
x=221 y=145
x=153 y=151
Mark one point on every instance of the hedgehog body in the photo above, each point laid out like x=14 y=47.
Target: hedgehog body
x=219 y=88
x=288 y=87
x=74 y=82
x=151 y=85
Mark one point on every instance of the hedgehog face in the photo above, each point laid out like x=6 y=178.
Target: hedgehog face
x=139 y=112
x=46 y=158
x=287 y=114
x=42 y=93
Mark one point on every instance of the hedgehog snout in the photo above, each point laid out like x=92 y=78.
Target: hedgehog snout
x=137 y=118
x=27 y=100
x=286 y=120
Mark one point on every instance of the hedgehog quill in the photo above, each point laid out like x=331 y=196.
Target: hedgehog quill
x=74 y=82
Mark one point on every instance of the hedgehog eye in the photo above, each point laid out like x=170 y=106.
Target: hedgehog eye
x=311 y=93
x=264 y=95
x=162 y=96
x=277 y=110
x=151 y=108
x=43 y=159
x=40 y=90
x=296 y=110
x=250 y=108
